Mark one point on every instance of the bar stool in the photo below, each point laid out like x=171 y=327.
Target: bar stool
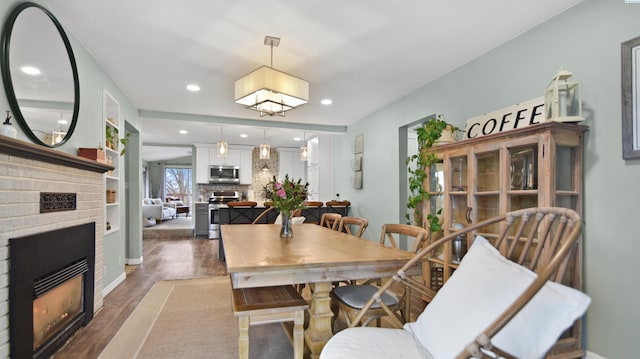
x=341 y=207
x=312 y=211
x=241 y=212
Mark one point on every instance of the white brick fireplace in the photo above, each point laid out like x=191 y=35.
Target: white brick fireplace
x=26 y=171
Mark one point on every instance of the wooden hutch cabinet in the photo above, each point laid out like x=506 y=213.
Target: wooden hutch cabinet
x=480 y=178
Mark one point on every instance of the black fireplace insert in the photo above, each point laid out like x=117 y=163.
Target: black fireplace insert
x=51 y=289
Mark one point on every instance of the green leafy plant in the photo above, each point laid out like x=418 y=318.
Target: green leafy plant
x=111 y=138
x=418 y=166
x=287 y=195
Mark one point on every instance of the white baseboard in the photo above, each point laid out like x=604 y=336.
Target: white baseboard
x=133 y=261
x=106 y=290
x=591 y=355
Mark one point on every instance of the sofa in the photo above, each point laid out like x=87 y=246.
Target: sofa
x=160 y=211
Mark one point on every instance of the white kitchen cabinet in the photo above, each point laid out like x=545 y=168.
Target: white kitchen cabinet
x=232 y=159
x=320 y=168
x=246 y=165
x=202 y=164
x=291 y=164
x=238 y=155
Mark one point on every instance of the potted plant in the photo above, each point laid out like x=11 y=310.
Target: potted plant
x=429 y=134
x=111 y=139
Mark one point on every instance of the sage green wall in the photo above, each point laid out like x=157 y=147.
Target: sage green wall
x=93 y=80
x=585 y=40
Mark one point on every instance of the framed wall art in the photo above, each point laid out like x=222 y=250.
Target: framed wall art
x=630 y=99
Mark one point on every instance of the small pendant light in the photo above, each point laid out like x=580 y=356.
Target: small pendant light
x=223 y=147
x=304 y=151
x=265 y=149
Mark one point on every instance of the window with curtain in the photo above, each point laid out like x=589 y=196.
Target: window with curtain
x=177 y=184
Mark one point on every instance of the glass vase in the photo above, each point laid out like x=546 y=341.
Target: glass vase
x=286 y=230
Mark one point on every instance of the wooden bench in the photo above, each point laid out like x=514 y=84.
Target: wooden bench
x=264 y=305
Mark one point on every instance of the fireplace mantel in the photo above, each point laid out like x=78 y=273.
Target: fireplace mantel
x=27 y=171
x=31 y=151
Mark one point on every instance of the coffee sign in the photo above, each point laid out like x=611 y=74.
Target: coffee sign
x=518 y=116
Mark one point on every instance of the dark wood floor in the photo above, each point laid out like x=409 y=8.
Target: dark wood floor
x=175 y=258
x=166 y=258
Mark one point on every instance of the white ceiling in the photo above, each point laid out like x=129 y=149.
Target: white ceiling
x=362 y=54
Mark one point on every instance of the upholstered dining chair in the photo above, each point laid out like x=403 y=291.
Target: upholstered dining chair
x=350 y=299
x=353 y=225
x=330 y=220
x=505 y=299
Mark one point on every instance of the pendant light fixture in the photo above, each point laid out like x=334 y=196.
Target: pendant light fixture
x=265 y=149
x=269 y=91
x=304 y=151
x=223 y=147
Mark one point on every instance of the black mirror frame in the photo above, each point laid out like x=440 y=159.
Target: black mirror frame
x=6 y=73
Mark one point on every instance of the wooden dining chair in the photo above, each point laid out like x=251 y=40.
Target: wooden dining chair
x=350 y=299
x=330 y=220
x=263 y=216
x=353 y=225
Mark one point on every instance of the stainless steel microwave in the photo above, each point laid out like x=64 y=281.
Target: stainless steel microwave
x=224 y=174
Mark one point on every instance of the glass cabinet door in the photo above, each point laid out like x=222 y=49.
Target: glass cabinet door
x=436 y=189
x=566 y=190
x=459 y=187
x=523 y=178
x=487 y=192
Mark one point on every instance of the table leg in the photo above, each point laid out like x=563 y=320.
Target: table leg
x=320 y=315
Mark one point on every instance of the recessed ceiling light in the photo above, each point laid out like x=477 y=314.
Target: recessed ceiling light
x=297 y=139
x=30 y=70
x=63 y=122
x=326 y=101
x=193 y=87
x=183 y=132
x=244 y=135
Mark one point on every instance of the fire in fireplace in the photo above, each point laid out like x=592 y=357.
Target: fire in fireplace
x=54 y=309
x=50 y=289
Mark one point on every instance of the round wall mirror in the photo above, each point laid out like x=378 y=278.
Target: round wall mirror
x=39 y=74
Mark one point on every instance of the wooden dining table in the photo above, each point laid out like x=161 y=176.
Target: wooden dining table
x=256 y=256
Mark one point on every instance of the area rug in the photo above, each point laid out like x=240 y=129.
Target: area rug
x=192 y=319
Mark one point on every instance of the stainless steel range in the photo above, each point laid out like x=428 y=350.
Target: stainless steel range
x=217 y=200
x=221 y=198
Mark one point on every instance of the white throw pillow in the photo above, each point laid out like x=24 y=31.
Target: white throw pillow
x=368 y=343
x=156 y=201
x=482 y=287
x=297 y=220
x=294 y=220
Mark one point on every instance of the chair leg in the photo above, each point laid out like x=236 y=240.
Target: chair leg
x=243 y=340
x=298 y=335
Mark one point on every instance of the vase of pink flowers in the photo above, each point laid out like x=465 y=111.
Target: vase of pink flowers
x=287 y=196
